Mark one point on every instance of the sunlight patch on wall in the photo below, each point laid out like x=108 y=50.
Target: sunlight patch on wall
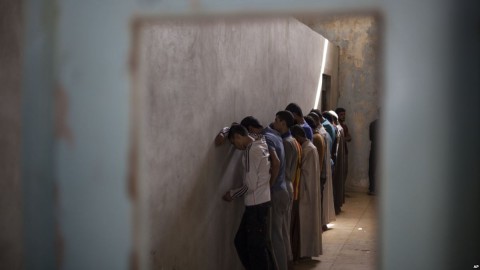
x=322 y=69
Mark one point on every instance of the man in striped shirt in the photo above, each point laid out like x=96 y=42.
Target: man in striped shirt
x=251 y=237
x=280 y=240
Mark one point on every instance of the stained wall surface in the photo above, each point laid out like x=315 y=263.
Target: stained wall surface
x=359 y=90
x=10 y=93
x=201 y=77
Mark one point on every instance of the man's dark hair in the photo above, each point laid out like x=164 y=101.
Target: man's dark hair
x=315 y=117
x=327 y=116
x=297 y=130
x=287 y=117
x=311 y=122
x=237 y=129
x=251 y=121
x=339 y=110
x=295 y=109
x=317 y=112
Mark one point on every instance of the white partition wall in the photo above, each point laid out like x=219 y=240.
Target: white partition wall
x=197 y=77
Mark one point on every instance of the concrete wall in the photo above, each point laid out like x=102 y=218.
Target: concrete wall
x=200 y=77
x=358 y=91
x=11 y=27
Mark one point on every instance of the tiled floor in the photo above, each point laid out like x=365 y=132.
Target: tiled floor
x=351 y=243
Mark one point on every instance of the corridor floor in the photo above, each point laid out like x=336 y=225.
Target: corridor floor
x=351 y=241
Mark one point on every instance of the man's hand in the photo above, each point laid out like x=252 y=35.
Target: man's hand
x=220 y=139
x=274 y=166
x=227 y=197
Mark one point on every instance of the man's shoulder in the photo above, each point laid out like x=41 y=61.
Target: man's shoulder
x=308 y=144
x=272 y=136
x=327 y=125
x=308 y=149
x=274 y=140
x=259 y=153
x=307 y=128
x=318 y=138
x=259 y=146
x=271 y=131
x=290 y=141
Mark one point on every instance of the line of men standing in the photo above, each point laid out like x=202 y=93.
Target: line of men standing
x=295 y=172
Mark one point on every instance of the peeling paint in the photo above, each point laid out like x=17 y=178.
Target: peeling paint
x=62 y=128
x=133 y=156
x=135 y=31
x=132 y=172
x=357 y=38
x=135 y=27
x=11 y=199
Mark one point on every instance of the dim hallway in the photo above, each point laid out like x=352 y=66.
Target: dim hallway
x=351 y=241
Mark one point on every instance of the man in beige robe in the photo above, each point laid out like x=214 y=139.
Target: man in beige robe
x=309 y=197
x=328 y=210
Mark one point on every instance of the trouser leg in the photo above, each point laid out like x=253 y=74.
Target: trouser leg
x=241 y=241
x=258 y=253
x=280 y=200
x=271 y=253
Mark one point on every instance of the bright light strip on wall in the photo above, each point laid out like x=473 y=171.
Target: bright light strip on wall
x=320 y=77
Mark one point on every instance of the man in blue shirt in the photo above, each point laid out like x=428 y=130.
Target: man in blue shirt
x=298 y=116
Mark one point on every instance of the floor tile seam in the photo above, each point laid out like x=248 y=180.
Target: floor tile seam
x=364 y=211
x=352 y=230
x=342 y=245
x=356 y=225
x=349 y=235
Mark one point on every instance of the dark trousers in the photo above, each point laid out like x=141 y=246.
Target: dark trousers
x=323 y=181
x=251 y=238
